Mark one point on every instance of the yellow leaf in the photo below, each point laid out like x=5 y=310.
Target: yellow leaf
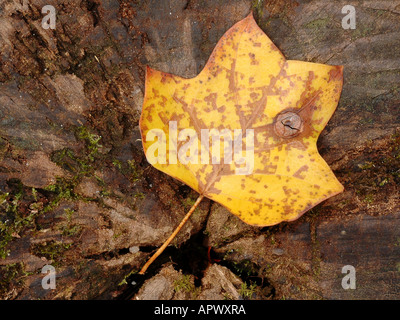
x=271 y=108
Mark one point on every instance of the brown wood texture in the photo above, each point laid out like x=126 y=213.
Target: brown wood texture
x=77 y=192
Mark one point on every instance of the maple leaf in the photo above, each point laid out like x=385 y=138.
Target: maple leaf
x=278 y=106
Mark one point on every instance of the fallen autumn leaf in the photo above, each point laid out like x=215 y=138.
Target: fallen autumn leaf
x=280 y=108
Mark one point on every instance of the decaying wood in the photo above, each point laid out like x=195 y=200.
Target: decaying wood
x=77 y=193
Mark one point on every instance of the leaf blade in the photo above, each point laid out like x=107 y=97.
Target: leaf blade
x=247 y=84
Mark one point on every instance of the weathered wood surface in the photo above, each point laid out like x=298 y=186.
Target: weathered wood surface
x=77 y=193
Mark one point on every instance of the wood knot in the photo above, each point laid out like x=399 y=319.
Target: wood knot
x=288 y=124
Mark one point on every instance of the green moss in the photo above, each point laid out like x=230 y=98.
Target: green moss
x=100 y=181
x=69 y=212
x=378 y=172
x=269 y=234
x=6 y=238
x=360 y=32
x=370 y=108
x=366 y=165
x=394 y=147
x=244 y=268
x=92 y=141
x=317 y=24
x=20 y=207
x=12 y=220
x=116 y=235
x=134 y=172
x=227 y=296
x=3 y=197
x=188 y=203
x=117 y=164
x=34 y=194
x=185 y=283
x=272 y=237
x=12 y=275
x=139 y=195
x=63 y=189
x=50 y=250
x=247 y=290
x=66 y=159
x=206 y=232
x=369 y=198
x=70 y=229
x=79 y=165
x=257 y=7
x=128 y=169
x=268 y=269
x=124 y=280
x=366 y=121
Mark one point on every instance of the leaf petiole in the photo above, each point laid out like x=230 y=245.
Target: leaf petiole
x=172 y=236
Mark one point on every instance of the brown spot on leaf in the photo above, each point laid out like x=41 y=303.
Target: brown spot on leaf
x=336 y=73
x=297 y=174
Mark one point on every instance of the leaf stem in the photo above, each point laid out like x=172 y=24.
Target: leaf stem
x=172 y=236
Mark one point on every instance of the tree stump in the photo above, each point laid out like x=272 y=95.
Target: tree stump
x=78 y=194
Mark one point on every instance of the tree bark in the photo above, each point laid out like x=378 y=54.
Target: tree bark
x=77 y=192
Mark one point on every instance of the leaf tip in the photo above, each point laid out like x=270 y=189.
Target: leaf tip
x=148 y=70
x=250 y=15
x=336 y=73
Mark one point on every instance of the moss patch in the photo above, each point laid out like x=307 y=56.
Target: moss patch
x=11 y=276
x=50 y=250
x=186 y=284
x=17 y=212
